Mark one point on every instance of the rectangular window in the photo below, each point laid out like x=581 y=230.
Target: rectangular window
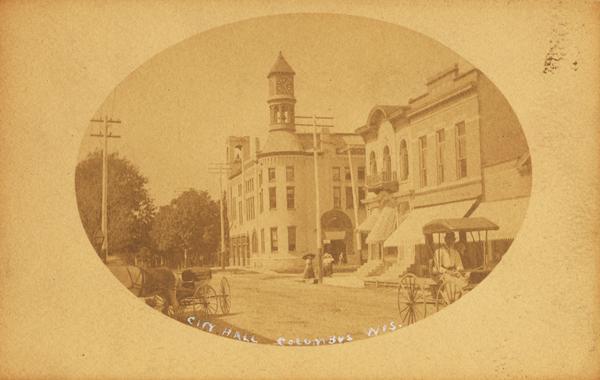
x=461 y=150
x=250 y=208
x=240 y=190
x=441 y=147
x=291 y=197
x=349 y=198
x=337 y=197
x=260 y=179
x=262 y=240
x=289 y=173
x=336 y=174
x=423 y=160
x=361 y=173
x=361 y=196
x=291 y=238
x=260 y=201
x=347 y=175
x=272 y=198
x=274 y=242
x=271 y=174
x=241 y=212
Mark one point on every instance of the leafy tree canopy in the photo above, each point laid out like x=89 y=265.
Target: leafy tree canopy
x=130 y=209
x=190 y=224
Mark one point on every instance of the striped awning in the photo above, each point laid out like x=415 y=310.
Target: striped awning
x=410 y=231
x=368 y=224
x=383 y=227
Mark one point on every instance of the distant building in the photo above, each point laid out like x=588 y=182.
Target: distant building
x=271 y=198
x=458 y=150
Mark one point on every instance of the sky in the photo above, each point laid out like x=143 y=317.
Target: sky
x=178 y=108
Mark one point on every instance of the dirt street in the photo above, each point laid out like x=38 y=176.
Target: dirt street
x=278 y=306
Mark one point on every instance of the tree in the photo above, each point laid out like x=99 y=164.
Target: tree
x=188 y=227
x=130 y=209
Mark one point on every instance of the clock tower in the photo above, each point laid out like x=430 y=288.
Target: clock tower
x=281 y=99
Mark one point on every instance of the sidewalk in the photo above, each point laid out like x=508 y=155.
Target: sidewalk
x=344 y=279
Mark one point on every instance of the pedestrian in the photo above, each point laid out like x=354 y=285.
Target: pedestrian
x=342 y=258
x=308 y=267
x=328 y=264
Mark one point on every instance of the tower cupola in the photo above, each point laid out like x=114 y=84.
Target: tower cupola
x=281 y=99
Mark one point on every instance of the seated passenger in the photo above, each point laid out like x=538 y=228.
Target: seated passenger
x=447 y=261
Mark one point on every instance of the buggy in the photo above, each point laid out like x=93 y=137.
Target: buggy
x=419 y=296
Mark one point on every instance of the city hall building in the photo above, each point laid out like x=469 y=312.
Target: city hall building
x=455 y=151
x=271 y=195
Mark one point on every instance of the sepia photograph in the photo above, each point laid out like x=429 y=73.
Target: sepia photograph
x=299 y=190
x=262 y=173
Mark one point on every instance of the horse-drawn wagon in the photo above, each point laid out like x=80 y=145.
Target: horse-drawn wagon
x=195 y=294
x=191 y=293
x=439 y=287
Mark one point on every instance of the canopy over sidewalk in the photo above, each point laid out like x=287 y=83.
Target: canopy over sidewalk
x=508 y=214
x=383 y=227
x=458 y=225
x=411 y=229
x=368 y=224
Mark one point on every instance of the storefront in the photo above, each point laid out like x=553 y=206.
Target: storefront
x=408 y=238
x=508 y=214
x=382 y=229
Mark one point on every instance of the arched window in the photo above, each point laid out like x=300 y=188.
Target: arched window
x=403 y=160
x=372 y=163
x=387 y=164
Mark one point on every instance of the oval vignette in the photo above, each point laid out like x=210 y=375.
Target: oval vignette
x=303 y=180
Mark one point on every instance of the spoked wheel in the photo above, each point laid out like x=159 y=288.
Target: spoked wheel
x=189 y=306
x=207 y=299
x=448 y=293
x=225 y=296
x=411 y=300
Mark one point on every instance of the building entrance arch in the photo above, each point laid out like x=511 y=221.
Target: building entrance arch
x=337 y=234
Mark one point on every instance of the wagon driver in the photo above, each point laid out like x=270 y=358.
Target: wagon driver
x=447 y=261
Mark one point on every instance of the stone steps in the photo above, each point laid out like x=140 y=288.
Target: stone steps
x=370 y=268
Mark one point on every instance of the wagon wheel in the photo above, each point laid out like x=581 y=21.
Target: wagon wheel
x=448 y=293
x=225 y=296
x=207 y=299
x=411 y=300
x=189 y=306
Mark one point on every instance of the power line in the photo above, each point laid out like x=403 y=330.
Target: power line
x=314 y=124
x=105 y=135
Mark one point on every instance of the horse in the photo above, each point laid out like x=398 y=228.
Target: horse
x=148 y=282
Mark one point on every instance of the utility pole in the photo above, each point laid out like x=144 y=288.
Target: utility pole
x=105 y=135
x=354 y=194
x=220 y=169
x=317 y=196
x=241 y=217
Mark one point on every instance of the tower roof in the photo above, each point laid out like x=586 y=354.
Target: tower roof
x=282 y=141
x=281 y=66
